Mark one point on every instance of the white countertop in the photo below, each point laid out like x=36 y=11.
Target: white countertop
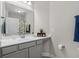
x=12 y=41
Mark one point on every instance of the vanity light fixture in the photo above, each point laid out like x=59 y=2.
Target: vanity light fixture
x=19 y=11
x=27 y=2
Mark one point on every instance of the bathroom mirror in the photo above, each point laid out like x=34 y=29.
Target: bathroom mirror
x=17 y=20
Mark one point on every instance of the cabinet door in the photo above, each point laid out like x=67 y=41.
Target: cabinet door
x=35 y=52
x=19 y=54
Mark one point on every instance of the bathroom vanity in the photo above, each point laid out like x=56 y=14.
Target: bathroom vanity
x=31 y=47
x=17 y=19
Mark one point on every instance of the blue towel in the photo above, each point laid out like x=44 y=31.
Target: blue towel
x=76 y=33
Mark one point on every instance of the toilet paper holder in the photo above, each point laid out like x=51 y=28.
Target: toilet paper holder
x=61 y=46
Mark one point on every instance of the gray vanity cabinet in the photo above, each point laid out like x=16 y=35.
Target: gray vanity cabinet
x=18 y=54
x=25 y=50
x=31 y=49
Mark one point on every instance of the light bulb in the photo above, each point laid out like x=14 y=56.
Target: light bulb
x=19 y=11
x=29 y=3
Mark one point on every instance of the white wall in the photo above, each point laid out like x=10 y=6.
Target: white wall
x=41 y=16
x=62 y=27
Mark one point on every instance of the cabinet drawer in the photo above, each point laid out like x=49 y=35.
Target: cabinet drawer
x=18 y=54
x=39 y=42
x=9 y=49
x=25 y=45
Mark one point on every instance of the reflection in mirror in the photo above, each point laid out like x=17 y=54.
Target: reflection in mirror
x=17 y=20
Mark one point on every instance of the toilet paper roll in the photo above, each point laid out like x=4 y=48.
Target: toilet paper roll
x=61 y=46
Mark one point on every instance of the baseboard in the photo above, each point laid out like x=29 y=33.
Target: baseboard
x=47 y=54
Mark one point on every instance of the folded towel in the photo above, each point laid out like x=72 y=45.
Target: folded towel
x=76 y=33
